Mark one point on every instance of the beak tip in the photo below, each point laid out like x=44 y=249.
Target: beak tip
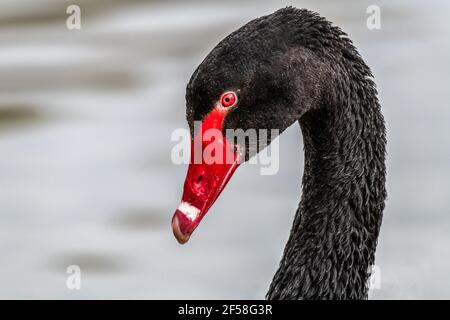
x=179 y=235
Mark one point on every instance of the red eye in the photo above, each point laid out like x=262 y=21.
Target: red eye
x=228 y=99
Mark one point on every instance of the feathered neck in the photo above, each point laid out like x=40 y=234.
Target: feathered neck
x=333 y=239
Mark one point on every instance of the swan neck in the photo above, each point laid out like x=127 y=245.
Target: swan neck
x=333 y=239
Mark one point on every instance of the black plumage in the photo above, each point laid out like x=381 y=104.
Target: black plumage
x=294 y=65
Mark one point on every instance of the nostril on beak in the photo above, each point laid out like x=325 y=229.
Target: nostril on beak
x=199 y=179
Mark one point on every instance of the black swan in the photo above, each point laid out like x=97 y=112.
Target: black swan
x=289 y=66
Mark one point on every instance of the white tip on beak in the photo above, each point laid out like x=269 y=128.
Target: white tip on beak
x=188 y=210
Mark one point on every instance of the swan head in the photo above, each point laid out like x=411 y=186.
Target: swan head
x=258 y=78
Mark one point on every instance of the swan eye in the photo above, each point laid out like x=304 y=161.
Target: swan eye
x=228 y=99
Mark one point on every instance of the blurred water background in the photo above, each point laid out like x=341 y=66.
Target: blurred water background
x=85 y=171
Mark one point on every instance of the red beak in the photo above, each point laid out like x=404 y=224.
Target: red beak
x=213 y=162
